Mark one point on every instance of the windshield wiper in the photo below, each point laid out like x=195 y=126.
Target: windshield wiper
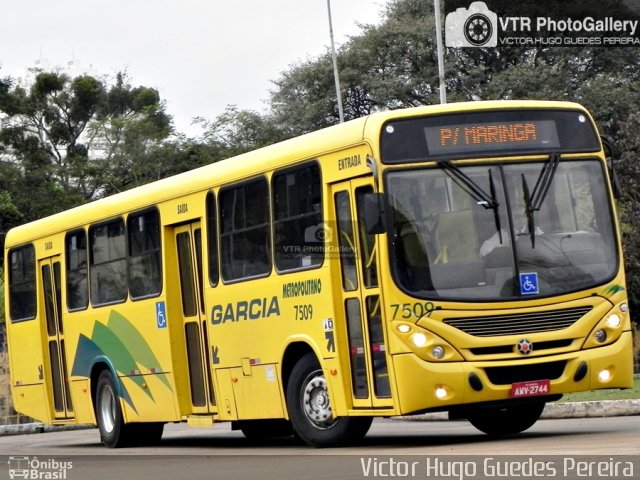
x=482 y=198
x=533 y=202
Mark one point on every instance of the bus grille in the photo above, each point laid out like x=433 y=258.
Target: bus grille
x=519 y=323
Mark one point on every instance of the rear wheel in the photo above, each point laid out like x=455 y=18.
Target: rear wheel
x=114 y=432
x=506 y=420
x=310 y=409
x=108 y=412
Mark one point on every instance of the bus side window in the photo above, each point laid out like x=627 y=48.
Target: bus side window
x=22 y=283
x=77 y=274
x=346 y=242
x=297 y=214
x=367 y=242
x=145 y=272
x=108 y=263
x=212 y=239
x=245 y=227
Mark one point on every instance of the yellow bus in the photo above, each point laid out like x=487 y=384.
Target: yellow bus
x=462 y=258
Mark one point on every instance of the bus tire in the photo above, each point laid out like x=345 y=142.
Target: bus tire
x=310 y=410
x=506 y=420
x=113 y=430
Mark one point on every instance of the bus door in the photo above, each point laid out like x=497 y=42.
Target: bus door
x=188 y=240
x=57 y=382
x=361 y=307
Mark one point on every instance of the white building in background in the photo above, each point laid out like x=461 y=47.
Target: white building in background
x=73 y=68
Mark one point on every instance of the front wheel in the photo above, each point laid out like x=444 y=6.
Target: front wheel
x=310 y=409
x=506 y=420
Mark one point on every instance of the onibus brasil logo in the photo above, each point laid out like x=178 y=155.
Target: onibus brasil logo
x=33 y=468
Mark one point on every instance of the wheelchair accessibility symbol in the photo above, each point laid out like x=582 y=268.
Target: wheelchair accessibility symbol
x=161 y=315
x=529 y=283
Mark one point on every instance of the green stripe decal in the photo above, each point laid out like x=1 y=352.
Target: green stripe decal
x=117 y=352
x=135 y=343
x=120 y=342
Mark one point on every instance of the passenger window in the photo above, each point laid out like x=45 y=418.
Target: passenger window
x=346 y=242
x=108 y=263
x=367 y=242
x=22 y=284
x=145 y=272
x=244 y=230
x=77 y=271
x=212 y=239
x=297 y=205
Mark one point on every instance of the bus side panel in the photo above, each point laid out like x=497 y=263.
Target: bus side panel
x=149 y=382
x=129 y=338
x=226 y=400
x=417 y=382
x=151 y=402
x=82 y=401
x=250 y=379
x=249 y=325
x=27 y=368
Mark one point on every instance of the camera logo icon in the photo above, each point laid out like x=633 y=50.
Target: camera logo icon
x=319 y=233
x=475 y=26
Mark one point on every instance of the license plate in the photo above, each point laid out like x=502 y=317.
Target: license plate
x=530 y=389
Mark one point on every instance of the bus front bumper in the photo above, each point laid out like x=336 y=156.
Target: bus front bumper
x=426 y=386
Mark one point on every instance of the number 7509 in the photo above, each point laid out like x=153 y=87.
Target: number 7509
x=408 y=310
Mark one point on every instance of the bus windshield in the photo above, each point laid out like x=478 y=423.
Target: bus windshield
x=450 y=243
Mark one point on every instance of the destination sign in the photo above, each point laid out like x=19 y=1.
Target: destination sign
x=479 y=134
x=473 y=136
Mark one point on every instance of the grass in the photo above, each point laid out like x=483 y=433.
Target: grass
x=609 y=394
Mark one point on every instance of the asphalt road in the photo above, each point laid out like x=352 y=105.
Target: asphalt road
x=219 y=453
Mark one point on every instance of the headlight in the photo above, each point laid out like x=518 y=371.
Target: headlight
x=419 y=339
x=425 y=344
x=608 y=329
x=614 y=321
x=404 y=328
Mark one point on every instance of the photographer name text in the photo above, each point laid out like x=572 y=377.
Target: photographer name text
x=491 y=467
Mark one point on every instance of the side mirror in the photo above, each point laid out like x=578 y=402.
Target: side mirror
x=374 y=213
x=609 y=153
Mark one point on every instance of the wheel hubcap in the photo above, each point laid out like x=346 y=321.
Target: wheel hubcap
x=315 y=401
x=107 y=409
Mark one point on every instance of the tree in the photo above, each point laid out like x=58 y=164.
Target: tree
x=629 y=205
x=28 y=186
x=389 y=66
x=56 y=112
x=238 y=131
x=72 y=140
x=9 y=213
x=128 y=125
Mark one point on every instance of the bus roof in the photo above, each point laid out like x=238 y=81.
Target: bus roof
x=308 y=146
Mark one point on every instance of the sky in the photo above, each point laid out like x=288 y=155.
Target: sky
x=201 y=55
